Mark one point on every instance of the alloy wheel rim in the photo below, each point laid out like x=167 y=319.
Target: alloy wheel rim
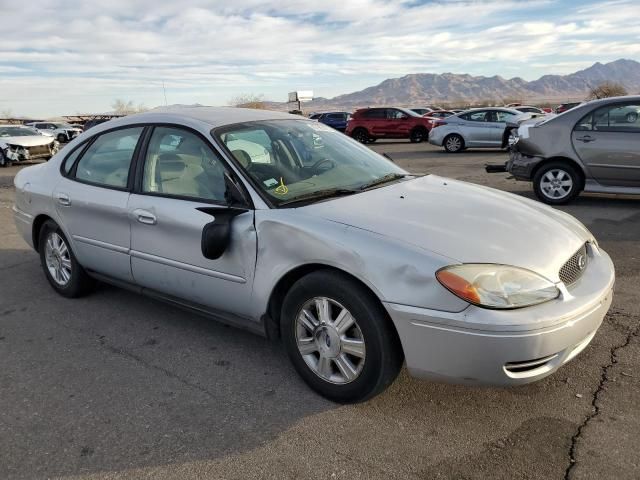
x=330 y=340
x=58 y=259
x=453 y=143
x=556 y=184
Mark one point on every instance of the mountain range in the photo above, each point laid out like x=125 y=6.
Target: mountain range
x=428 y=88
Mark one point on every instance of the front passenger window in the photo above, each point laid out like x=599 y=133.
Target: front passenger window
x=107 y=160
x=180 y=164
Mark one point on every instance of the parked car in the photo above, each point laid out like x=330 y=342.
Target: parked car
x=563 y=107
x=63 y=132
x=594 y=147
x=421 y=111
x=476 y=128
x=92 y=123
x=18 y=143
x=356 y=264
x=369 y=124
x=337 y=120
x=529 y=109
x=433 y=117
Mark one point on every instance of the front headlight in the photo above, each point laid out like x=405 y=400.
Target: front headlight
x=497 y=286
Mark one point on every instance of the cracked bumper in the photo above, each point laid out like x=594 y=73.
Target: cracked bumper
x=522 y=166
x=490 y=347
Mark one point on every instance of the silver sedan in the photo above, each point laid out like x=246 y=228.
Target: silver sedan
x=285 y=227
x=475 y=128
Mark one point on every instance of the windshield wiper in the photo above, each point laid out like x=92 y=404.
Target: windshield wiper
x=390 y=177
x=320 y=195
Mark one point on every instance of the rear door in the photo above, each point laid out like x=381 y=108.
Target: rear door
x=376 y=121
x=181 y=189
x=475 y=128
x=92 y=197
x=607 y=140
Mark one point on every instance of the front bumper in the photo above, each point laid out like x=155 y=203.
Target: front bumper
x=521 y=166
x=496 y=347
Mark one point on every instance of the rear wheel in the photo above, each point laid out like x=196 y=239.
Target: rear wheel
x=556 y=183
x=453 y=143
x=64 y=273
x=339 y=338
x=632 y=117
x=4 y=161
x=361 y=135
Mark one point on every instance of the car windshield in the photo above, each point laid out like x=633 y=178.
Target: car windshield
x=17 y=132
x=295 y=161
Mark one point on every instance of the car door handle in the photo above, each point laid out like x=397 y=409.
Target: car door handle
x=144 y=216
x=63 y=199
x=586 y=139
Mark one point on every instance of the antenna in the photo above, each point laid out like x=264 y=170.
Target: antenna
x=165 y=94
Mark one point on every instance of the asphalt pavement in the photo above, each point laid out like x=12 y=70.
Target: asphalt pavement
x=115 y=385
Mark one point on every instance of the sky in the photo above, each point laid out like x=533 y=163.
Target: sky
x=62 y=57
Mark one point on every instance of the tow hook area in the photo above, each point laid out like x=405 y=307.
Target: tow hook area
x=495 y=167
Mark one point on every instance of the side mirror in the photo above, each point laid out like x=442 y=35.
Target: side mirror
x=216 y=235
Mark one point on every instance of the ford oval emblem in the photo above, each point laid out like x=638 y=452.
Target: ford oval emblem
x=582 y=262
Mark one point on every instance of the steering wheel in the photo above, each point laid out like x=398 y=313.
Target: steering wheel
x=315 y=168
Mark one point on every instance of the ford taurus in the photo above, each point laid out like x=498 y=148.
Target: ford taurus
x=285 y=227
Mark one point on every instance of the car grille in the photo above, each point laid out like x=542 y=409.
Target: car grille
x=39 y=150
x=571 y=271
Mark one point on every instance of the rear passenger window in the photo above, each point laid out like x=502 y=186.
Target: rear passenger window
x=106 y=162
x=71 y=159
x=613 y=118
x=375 y=113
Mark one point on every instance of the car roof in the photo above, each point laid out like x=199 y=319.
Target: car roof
x=213 y=116
x=500 y=109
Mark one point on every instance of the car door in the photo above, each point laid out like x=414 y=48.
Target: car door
x=376 y=121
x=91 y=200
x=399 y=124
x=475 y=129
x=181 y=189
x=607 y=140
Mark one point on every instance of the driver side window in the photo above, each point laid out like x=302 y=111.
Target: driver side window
x=180 y=164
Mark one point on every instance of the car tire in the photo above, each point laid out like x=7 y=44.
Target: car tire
x=64 y=273
x=3 y=160
x=418 y=135
x=361 y=135
x=632 y=117
x=453 y=143
x=62 y=138
x=345 y=365
x=556 y=183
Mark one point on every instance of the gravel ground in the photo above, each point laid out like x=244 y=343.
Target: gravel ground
x=116 y=386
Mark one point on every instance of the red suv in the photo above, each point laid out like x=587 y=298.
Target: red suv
x=369 y=124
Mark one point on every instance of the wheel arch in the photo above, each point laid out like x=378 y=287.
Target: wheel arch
x=560 y=159
x=286 y=281
x=37 y=224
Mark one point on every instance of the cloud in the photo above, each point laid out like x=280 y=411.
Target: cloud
x=61 y=56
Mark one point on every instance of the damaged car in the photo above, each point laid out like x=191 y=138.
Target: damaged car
x=18 y=143
x=594 y=147
x=62 y=132
x=354 y=263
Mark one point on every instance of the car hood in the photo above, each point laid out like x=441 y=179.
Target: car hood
x=464 y=222
x=27 y=141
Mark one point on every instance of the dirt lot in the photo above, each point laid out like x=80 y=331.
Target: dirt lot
x=119 y=386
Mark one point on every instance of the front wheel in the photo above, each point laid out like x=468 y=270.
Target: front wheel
x=418 y=135
x=64 y=273
x=632 y=117
x=339 y=338
x=61 y=138
x=557 y=183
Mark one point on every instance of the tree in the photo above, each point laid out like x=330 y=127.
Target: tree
x=121 y=107
x=248 y=100
x=607 y=89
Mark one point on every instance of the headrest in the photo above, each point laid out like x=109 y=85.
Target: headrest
x=243 y=157
x=170 y=163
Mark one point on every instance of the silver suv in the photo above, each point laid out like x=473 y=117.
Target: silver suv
x=594 y=147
